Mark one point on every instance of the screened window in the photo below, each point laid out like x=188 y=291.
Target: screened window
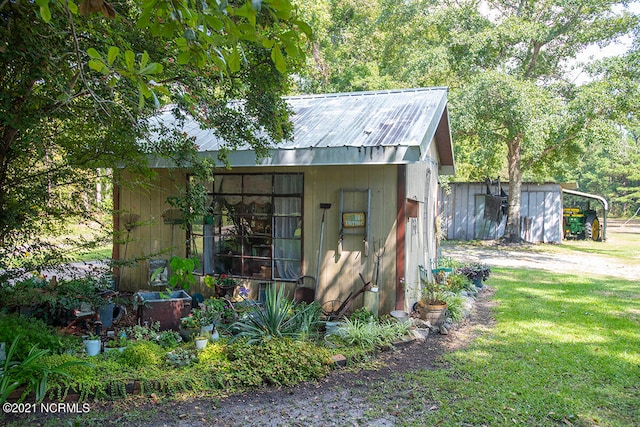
x=255 y=227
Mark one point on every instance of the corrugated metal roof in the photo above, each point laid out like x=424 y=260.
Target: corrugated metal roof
x=348 y=128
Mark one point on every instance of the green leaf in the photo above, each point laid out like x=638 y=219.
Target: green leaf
x=278 y=59
x=168 y=29
x=93 y=53
x=152 y=68
x=303 y=26
x=233 y=61
x=113 y=54
x=144 y=60
x=145 y=18
x=215 y=23
x=45 y=13
x=289 y=40
x=184 y=57
x=268 y=43
x=129 y=58
x=73 y=7
x=96 y=64
x=282 y=8
x=141 y=100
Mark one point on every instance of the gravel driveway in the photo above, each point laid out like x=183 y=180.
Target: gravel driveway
x=538 y=257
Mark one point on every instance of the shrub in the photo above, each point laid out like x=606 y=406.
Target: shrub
x=475 y=271
x=455 y=305
x=145 y=332
x=53 y=301
x=143 y=353
x=214 y=353
x=363 y=315
x=370 y=335
x=30 y=371
x=456 y=282
x=35 y=332
x=280 y=361
x=181 y=357
x=169 y=339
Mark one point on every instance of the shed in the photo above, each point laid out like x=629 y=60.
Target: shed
x=477 y=211
x=373 y=157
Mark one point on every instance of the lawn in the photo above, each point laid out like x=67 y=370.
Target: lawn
x=565 y=350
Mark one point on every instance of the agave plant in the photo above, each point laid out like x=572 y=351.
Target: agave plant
x=279 y=318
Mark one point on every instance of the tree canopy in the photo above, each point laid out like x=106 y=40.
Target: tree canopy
x=515 y=112
x=79 y=83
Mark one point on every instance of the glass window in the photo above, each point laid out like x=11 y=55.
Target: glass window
x=255 y=227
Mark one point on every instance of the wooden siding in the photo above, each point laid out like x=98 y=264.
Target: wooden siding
x=541 y=212
x=152 y=237
x=339 y=274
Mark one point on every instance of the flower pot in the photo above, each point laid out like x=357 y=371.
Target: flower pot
x=201 y=343
x=92 y=347
x=477 y=282
x=187 y=334
x=433 y=313
x=206 y=330
x=214 y=336
x=110 y=349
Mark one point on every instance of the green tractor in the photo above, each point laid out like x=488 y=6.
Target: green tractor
x=581 y=224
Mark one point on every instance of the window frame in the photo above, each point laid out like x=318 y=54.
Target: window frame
x=247 y=256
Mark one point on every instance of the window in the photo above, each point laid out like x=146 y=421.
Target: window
x=255 y=229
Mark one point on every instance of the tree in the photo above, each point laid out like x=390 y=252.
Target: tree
x=349 y=42
x=513 y=112
x=520 y=95
x=609 y=166
x=77 y=93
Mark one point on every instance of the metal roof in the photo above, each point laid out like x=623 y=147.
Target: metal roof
x=381 y=127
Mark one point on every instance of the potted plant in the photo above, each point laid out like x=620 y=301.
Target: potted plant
x=201 y=341
x=475 y=272
x=221 y=284
x=189 y=327
x=118 y=344
x=92 y=345
x=206 y=319
x=432 y=306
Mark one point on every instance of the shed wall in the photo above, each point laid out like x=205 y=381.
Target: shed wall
x=420 y=242
x=462 y=207
x=339 y=273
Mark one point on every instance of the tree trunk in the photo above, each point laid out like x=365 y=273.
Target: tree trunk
x=512 y=231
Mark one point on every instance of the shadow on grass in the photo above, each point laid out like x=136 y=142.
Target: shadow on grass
x=565 y=350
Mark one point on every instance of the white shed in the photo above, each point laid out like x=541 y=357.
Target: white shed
x=468 y=212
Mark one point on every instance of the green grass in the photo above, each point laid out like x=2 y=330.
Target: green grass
x=623 y=247
x=565 y=351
